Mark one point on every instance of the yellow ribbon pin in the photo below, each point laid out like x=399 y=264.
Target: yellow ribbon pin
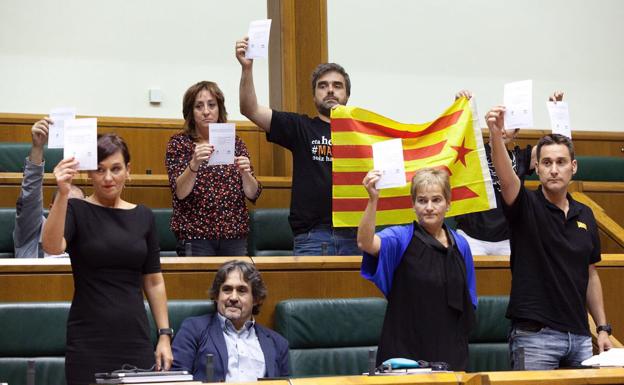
x=581 y=225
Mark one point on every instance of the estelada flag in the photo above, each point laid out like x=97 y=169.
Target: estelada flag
x=453 y=142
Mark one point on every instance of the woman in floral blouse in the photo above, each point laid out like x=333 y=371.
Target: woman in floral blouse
x=210 y=216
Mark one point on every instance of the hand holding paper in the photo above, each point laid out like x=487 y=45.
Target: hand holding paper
x=370 y=181
x=40 y=131
x=202 y=152
x=64 y=172
x=243 y=164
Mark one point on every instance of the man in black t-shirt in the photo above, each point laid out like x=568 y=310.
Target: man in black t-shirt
x=309 y=140
x=554 y=248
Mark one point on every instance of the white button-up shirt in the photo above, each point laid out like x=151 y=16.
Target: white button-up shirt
x=245 y=357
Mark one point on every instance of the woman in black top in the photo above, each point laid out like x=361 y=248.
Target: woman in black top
x=113 y=246
x=426 y=272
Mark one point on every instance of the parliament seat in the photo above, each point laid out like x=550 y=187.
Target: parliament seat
x=330 y=336
x=270 y=233
x=166 y=237
x=12 y=156
x=488 y=349
x=36 y=331
x=333 y=336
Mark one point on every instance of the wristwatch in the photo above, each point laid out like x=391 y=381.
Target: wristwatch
x=165 y=331
x=604 y=328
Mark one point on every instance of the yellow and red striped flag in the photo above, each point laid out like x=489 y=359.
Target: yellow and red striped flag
x=453 y=142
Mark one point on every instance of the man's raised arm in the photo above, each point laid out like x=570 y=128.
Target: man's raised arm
x=260 y=115
x=507 y=178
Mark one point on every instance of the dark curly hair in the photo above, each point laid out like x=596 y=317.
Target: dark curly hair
x=251 y=276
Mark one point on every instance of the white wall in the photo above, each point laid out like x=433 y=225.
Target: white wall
x=102 y=56
x=406 y=59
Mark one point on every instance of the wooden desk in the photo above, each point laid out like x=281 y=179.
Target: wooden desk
x=555 y=377
x=420 y=379
x=546 y=377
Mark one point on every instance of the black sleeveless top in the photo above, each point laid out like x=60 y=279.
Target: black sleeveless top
x=429 y=314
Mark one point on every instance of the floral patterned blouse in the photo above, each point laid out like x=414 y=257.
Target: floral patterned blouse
x=215 y=208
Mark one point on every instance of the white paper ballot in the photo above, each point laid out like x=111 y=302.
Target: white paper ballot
x=222 y=137
x=258 y=45
x=559 y=118
x=59 y=116
x=518 y=100
x=388 y=158
x=81 y=142
x=611 y=357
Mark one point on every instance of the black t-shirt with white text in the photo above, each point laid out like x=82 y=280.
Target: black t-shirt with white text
x=309 y=140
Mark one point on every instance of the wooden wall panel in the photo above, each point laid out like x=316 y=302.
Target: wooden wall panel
x=600 y=143
x=286 y=277
x=150 y=190
x=147 y=138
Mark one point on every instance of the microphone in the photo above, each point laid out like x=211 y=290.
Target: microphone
x=209 y=367
x=371 y=362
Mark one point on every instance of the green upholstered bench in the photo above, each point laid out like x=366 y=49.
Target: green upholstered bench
x=167 y=239
x=488 y=349
x=597 y=169
x=270 y=233
x=12 y=156
x=7 y=224
x=333 y=336
x=36 y=331
x=330 y=336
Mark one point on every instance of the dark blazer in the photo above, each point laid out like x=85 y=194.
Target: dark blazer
x=201 y=335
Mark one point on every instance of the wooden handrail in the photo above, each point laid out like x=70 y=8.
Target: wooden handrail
x=605 y=223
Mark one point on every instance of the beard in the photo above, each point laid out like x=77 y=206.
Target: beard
x=324 y=107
